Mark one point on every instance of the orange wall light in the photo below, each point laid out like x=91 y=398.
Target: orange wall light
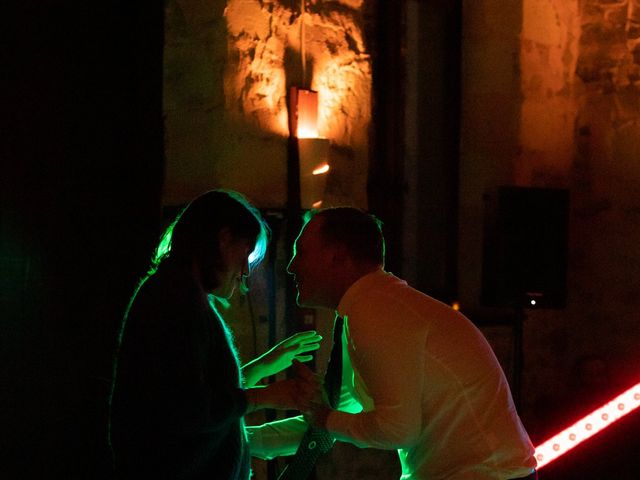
x=304 y=105
x=588 y=426
x=312 y=150
x=320 y=169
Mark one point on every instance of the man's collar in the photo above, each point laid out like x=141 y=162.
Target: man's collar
x=363 y=284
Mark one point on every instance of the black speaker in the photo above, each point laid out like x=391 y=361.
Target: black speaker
x=524 y=261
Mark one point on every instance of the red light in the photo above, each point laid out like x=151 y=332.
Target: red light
x=588 y=426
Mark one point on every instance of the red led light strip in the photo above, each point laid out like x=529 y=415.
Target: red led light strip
x=588 y=426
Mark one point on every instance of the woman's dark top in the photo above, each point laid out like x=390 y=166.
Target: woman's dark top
x=176 y=406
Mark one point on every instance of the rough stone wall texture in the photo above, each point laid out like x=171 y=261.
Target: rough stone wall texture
x=578 y=127
x=228 y=66
x=548 y=57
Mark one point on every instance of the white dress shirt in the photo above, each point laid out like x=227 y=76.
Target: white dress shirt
x=420 y=378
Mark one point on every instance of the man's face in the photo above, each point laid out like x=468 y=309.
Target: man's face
x=311 y=267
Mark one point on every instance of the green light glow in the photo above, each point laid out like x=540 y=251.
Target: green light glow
x=260 y=250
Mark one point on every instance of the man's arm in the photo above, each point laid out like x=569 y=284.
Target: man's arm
x=387 y=352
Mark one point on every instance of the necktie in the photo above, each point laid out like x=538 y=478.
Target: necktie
x=317 y=441
x=333 y=375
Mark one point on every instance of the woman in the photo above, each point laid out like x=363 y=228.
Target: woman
x=178 y=400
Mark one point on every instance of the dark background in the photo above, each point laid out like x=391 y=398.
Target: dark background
x=82 y=172
x=82 y=153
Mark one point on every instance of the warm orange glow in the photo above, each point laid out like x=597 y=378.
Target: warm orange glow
x=455 y=306
x=313 y=155
x=317 y=204
x=304 y=105
x=326 y=44
x=588 y=426
x=320 y=169
x=345 y=94
x=305 y=132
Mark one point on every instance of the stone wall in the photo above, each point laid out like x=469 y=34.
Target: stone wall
x=575 y=115
x=228 y=67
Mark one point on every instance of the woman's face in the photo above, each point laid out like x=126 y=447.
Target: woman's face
x=233 y=265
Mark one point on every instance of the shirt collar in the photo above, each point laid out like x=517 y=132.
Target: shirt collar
x=363 y=284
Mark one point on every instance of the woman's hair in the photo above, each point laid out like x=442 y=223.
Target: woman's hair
x=193 y=234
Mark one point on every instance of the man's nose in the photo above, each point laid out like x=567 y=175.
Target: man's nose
x=290 y=266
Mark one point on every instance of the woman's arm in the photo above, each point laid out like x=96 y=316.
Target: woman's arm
x=296 y=347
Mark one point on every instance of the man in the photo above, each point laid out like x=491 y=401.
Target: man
x=177 y=402
x=418 y=376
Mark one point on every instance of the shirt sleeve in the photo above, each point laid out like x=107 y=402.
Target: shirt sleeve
x=276 y=439
x=387 y=351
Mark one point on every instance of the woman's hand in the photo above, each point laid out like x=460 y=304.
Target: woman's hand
x=279 y=358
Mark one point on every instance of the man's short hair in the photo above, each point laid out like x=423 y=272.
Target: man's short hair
x=358 y=231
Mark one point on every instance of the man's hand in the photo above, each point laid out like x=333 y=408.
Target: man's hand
x=317 y=416
x=311 y=391
x=298 y=393
x=315 y=407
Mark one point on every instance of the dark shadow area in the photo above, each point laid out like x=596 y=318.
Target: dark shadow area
x=81 y=183
x=385 y=185
x=438 y=95
x=295 y=76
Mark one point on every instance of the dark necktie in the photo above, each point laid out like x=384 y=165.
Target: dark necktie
x=317 y=441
